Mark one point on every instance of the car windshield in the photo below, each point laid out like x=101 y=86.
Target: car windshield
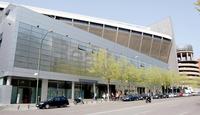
x=51 y=99
x=129 y=95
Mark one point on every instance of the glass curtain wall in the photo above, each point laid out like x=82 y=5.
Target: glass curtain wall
x=58 y=53
x=62 y=54
x=23 y=91
x=83 y=90
x=121 y=36
x=59 y=88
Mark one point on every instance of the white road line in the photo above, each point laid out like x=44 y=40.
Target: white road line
x=128 y=108
x=184 y=113
x=118 y=110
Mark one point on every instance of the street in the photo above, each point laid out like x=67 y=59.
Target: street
x=171 y=106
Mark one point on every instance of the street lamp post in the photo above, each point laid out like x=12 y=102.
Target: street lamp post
x=38 y=64
x=137 y=61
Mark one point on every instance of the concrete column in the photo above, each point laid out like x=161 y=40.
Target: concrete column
x=191 y=56
x=73 y=85
x=181 y=56
x=8 y=82
x=44 y=90
x=94 y=88
x=187 y=57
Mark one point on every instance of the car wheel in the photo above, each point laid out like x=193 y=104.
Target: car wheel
x=47 y=106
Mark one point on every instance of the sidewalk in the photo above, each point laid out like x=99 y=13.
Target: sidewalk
x=25 y=107
x=1 y=107
x=17 y=107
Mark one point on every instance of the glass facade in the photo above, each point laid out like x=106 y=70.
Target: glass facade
x=24 y=90
x=138 y=41
x=59 y=88
x=58 y=53
x=84 y=90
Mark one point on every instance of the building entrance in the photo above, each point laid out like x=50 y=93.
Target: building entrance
x=140 y=90
x=83 y=90
x=24 y=91
x=26 y=96
x=88 y=91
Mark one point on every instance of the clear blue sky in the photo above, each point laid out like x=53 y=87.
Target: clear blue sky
x=186 y=19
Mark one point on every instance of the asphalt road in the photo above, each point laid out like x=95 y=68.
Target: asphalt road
x=172 y=106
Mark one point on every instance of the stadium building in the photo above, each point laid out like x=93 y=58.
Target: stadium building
x=61 y=42
x=187 y=65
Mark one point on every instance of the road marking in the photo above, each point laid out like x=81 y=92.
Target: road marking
x=118 y=110
x=130 y=108
x=184 y=113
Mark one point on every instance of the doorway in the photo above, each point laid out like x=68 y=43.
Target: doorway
x=88 y=91
x=26 y=95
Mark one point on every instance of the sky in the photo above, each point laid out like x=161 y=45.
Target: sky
x=185 y=17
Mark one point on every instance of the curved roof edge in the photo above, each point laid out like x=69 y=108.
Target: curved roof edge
x=119 y=24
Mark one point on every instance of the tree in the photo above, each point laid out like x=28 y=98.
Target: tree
x=198 y=5
x=128 y=73
x=123 y=65
x=153 y=79
x=142 y=77
x=167 y=79
x=104 y=65
x=189 y=81
x=131 y=76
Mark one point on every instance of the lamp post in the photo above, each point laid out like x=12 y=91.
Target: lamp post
x=38 y=64
x=137 y=62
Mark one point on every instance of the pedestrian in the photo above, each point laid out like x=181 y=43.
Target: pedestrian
x=117 y=95
x=95 y=96
x=104 y=96
x=107 y=96
x=112 y=96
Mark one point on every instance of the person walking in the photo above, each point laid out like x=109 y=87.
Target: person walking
x=104 y=96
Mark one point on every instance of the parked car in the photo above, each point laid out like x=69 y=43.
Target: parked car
x=142 y=96
x=157 y=96
x=180 y=94
x=176 y=95
x=130 y=98
x=194 y=93
x=165 y=95
x=186 y=94
x=171 y=95
x=54 y=102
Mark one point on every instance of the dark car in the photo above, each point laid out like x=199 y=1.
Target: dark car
x=54 y=102
x=130 y=98
x=157 y=96
x=142 y=96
